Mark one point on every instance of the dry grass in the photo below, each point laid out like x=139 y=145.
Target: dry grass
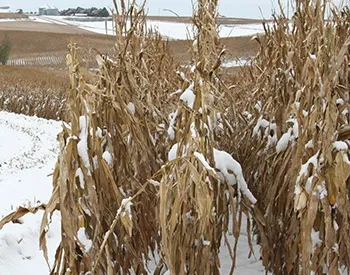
x=5 y=15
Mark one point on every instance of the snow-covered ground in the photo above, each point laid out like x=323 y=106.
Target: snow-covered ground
x=171 y=30
x=12 y=20
x=28 y=152
x=239 y=62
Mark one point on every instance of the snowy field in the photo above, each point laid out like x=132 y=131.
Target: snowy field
x=28 y=152
x=170 y=30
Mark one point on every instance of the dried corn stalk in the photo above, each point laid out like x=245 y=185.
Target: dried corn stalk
x=200 y=187
x=108 y=152
x=295 y=144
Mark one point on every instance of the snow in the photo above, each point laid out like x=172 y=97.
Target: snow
x=315 y=237
x=232 y=172
x=173 y=152
x=171 y=129
x=300 y=200
x=188 y=97
x=322 y=190
x=83 y=142
x=131 y=108
x=84 y=239
x=24 y=181
x=202 y=159
x=80 y=175
x=108 y=158
x=304 y=168
x=340 y=146
x=22 y=142
x=340 y=101
x=171 y=30
x=240 y=62
x=290 y=136
x=12 y=19
x=282 y=144
x=32 y=142
x=261 y=124
x=258 y=106
x=40 y=19
x=31 y=147
x=309 y=144
x=125 y=208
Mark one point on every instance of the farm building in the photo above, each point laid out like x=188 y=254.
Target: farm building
x=48 y=10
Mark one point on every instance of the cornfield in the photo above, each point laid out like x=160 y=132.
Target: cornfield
x=292 y=138
x=33 y=91
x=159 y=162
x=53 y=60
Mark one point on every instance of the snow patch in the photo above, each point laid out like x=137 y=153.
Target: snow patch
x=188 y=97
x=82 y=236
x=202 y=159
x=231 y=171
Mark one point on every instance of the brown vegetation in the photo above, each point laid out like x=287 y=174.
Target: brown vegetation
x=8 y=15
x=33 y=91
x=235 y=47
x=29 y=25
x=292 y=137
x=31 y=43
x=285 y=119
x=37 y=49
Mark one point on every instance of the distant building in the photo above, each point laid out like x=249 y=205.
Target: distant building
x=48 y=10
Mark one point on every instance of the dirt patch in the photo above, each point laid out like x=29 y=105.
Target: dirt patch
x=236 y=47
x=8 y=15
x=32 y=43
x=37 y=44
x=40 y=27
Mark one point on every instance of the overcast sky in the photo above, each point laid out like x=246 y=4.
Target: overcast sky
x=233 y=8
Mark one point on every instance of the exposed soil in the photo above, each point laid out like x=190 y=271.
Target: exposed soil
x=27 y=25
x=34 y=43
x=8 y=15
x=236 y=47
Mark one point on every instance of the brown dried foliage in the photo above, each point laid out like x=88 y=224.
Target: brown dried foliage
x=195 y=204
x=33 y=91
x=301 y=76
x=114 y=181
x=95 y=200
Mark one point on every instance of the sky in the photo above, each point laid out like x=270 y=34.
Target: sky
x=229 y=8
